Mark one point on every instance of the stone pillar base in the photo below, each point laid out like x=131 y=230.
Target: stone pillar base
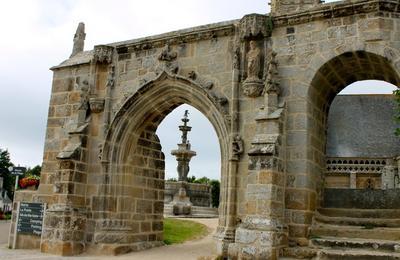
x=223 y=238
x=256 y=244
x=63 y=230
x=66 y=248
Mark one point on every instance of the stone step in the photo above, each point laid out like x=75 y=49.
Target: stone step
x=361 y=213
x=355 y=254
x=328 y=230
x=335 y=254
x=345 y=243
x=352 y=221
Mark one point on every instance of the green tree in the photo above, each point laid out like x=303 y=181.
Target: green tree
x=34 y=171
x=397 y=117
x=191 y=179
x=202 y=180
x=8 y=179
x=215 y=189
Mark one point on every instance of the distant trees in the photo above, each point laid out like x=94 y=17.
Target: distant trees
x=8 y=179
x=215 y=188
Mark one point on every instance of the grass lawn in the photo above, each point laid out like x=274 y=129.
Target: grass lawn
x=178 y=231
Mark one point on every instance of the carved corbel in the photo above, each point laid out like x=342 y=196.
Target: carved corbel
x=96 y=105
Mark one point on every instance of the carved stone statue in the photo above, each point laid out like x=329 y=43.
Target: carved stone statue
x=253 y=85
x=253 y=62
x=237 y=145
x=79 y=40
x=111 y=77
x=271 y=83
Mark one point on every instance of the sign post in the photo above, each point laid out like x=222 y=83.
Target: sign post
x=17 y=171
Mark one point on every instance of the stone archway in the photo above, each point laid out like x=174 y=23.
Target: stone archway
x=132 y=200
x=330 y=79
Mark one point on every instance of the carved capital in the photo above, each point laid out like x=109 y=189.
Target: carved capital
x=103 y=53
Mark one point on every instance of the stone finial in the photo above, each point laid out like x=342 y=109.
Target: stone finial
x=79 y=40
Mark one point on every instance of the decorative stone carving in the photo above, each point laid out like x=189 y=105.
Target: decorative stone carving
x=203 y=82
x=79 y=40
x=181 y=203
x=253 y=85
x=237 y=146
x=96 y=105
x=103 y=53
x=167 y=55
x=236 y=58
x=272 y=83
x=111 y=77
x=220 y=101
x=168 y=58
x=254 y=25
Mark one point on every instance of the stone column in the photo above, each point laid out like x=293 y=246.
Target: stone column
x=263 y=231
x=388 y=177
x=353 y=180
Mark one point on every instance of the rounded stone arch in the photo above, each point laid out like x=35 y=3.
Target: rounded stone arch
x=327 y=74
x=133 y=163
x=381 y=50
x=331 y=77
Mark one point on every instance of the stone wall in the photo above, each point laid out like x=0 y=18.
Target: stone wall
x=199 y=194
x=362 y=198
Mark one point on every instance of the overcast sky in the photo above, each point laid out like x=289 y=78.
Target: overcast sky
x=37 y=34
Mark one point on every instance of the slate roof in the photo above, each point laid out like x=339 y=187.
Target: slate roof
x=362 y=126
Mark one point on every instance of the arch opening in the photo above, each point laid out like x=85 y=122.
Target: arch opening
x=348 y=116
x=135 y=163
